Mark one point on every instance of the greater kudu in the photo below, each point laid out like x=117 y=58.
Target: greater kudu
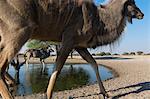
x=61 y=21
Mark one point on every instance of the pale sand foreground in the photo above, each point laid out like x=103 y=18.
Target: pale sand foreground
x=133 y=81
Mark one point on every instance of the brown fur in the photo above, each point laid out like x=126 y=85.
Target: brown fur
x=61 y=21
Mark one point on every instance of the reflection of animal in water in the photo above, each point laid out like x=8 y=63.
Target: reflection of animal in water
x=41 y=53
x=17 y=64
x=71 y=78
x=61 y=21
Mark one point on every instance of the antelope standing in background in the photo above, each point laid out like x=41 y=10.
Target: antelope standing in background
x=42 y=53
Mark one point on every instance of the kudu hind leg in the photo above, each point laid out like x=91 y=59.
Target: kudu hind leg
x=88 y=57
x=61 y=58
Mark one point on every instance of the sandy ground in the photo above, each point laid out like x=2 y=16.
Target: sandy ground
x=133 y=81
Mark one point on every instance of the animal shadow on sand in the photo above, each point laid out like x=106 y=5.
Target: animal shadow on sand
x=111 y=58
x=142 y=87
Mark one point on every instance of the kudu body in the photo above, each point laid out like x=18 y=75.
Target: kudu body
x=62 y=21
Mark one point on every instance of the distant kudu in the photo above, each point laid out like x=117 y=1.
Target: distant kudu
x=41 y=53
x=61 y=21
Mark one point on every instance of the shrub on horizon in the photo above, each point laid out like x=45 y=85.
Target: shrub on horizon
x=116 y=54
x=132 y=53
x=101 y=54
x=108 y=53
x=125 y=53
x=140 y=53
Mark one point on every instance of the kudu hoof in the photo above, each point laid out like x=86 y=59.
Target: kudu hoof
x=70 y=97
x=105 y=96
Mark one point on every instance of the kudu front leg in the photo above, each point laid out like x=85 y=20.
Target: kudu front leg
x=4 y=92
x=61 y=58
x=9 y=79
x=88 y=57
x=9 y=46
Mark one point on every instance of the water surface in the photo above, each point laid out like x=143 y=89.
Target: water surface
x=72 y=76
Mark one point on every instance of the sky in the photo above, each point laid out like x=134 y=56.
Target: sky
x=136 y=36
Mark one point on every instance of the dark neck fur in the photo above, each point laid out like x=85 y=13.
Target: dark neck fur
x=114 y=23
